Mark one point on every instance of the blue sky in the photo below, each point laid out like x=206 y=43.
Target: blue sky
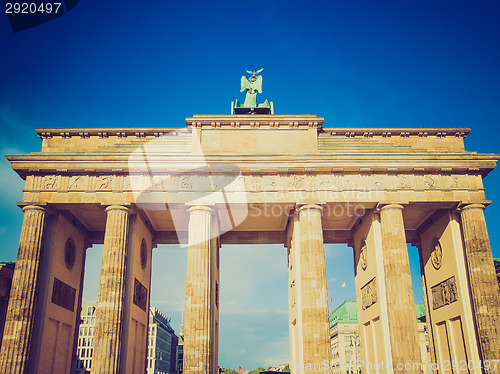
x=356 y=63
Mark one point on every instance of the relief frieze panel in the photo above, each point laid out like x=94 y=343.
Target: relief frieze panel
x=404 y=181
x=186 y=182
x=324 y=182
x=430 y=181
x=78 y=182
x=362 y=182
x=444 y=293
x=140 y=295
x=63 y=295
x=49 y=182
x=269 y=182
x=104 y=182
x=369 y=294
x=137 y=182
x=238 y=184
x=158 y=183
x=291 y=182
x=297 y=182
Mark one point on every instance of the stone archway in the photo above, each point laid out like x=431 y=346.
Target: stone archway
x=214 y=182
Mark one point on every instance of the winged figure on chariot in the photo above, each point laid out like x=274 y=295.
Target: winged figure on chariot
x=252 y=86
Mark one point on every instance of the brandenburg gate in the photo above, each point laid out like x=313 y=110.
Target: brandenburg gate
x=257 y=179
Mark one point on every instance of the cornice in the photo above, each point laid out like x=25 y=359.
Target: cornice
x=43 y=163
x=255 y=121
x=405 y=132
x=243 y=122
x=120 y=132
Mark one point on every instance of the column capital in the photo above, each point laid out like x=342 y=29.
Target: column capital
x=33 y=207
x=308 y=206
x=118 y=207
x=467 y=206
x=206 y=207
x=385 y=206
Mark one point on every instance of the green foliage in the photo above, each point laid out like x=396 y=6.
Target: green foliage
x=230 y=371
x=257 y=371
x=287 y=368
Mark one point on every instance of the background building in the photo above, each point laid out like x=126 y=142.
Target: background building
x=344 y=337
x=180 y=347
x=162 y=345
x=85 y=347
x=6 y=274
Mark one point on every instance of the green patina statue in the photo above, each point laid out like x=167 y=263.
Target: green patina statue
x=252 y=86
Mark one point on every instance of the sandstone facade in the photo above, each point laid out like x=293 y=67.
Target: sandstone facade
x=254 y=179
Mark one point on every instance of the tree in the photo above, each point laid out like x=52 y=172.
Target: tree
x=287 y=368
x=256 y=371
x=230 y=371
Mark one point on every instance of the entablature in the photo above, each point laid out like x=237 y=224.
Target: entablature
x=462 y=163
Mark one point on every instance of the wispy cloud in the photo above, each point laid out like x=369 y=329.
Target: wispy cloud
x=277 y=352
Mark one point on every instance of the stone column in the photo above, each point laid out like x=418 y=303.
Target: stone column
x=16 y=343
x=400 y=303
x=314 y=295
x=109 y=313
x=483 y=281
x=200 y=352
